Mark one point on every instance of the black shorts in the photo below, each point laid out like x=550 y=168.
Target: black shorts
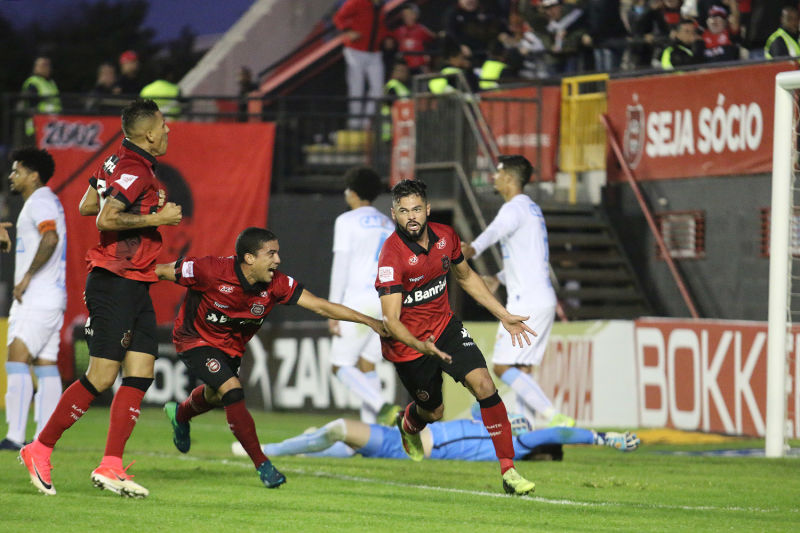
x=422 y=377
x=211 y=365
x=121 y=316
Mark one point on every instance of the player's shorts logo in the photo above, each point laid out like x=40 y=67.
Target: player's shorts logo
x=126 y=339
x=413 y=260
x=422 y=395
x=257 y=309
x=87 y=329
x=445 y=263
x=212 y=365
x=441 y=244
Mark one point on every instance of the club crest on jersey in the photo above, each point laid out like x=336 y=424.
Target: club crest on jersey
x=413 y=260
x=213 y=365
x=263 y=294
x=257 y=309
x=422 y=395
x=441 y=244
x=126 y=339
x=445 y=263
x=227 y=289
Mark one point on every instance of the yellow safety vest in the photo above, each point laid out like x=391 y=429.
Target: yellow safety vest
x=401 y=91
x=165 y=95
x=666 y=57
x=49 y=102
x=490 y=73
x=441 y=85
x=791 y=44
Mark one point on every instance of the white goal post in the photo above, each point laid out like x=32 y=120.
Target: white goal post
x=779 y=317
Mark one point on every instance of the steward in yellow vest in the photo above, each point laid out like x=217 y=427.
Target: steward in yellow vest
x=40 y=92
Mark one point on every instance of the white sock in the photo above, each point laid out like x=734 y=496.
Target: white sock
x=368 y=415
x=358 y=382
x=316 y=441
x=524 y=410
x=531 y=393
x=18 y=400
x=47 y=395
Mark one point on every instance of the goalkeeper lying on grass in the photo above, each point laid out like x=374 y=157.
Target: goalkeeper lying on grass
x=465 y=440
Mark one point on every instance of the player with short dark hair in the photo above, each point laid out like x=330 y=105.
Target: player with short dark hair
x=121 y=330
x=227 y=300
x=427 y=339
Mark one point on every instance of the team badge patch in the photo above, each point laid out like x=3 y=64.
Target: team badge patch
x=212 y=365
x=413 y=260
x=445 y=263
x=126 y=339
x=385 y=274
x=422 y=395
x=263 y=294
x=441 y=244
x=257 y=309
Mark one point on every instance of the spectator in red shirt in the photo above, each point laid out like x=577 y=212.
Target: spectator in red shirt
x=364 y=25
x=720 y=43
x=413 y=37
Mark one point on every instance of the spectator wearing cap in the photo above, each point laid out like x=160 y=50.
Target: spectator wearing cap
x=129 y=81
x=720 y=43
x=784 y=41
x=731 y=8
x=413 y=37
x=686 y=48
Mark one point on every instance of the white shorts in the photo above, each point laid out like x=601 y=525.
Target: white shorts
x=355 y=340
x=541 y=321
x=38 y=327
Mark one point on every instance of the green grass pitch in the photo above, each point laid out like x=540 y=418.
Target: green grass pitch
x=593 y=489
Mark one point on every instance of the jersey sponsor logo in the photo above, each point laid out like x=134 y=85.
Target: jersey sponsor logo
x=126 y=180
x=219 y=318
x=427 y=292
x=413 y=260
x=62 y=134
x=87 y=329
x=445 y=263
x=110 y=164
x=227 y=289
x=187 y=269
x=257 y=309
x=441 y=244
x=126 y=339
x=221 y=306
x=213 y=365
x=385 y=274
x=418 y=278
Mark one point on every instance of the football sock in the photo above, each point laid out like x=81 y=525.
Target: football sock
x=47 y=394
x=316 y=441
x=412 y=422
x=244 y=429
x=337 y=449
x=359 y=383
x=18 y=400
x=495 y=419
x=195 y=404
x=556 y=435
x=72 y=405
x=530 y=391
x=369 y=415
x=123 y=418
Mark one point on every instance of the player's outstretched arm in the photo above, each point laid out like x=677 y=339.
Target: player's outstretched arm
x=90 y=203
x=5 y=238
x=391 y=305
x=166 y=271
x=323 y=307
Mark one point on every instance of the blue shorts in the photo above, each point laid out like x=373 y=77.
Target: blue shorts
x=384 y=442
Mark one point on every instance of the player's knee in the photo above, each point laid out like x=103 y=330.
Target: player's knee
x=483 y=388
x=435 y=415
x=137 y=382
x=499 y=370
x=232 y=396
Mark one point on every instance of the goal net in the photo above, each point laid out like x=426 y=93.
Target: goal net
x=784 y=266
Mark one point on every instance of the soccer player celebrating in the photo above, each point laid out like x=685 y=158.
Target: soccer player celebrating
x=40 y=297
x=427 y=338
x=227 y=300
x=121 y=331
x=520 y=228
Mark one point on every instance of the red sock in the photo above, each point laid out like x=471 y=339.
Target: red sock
x=495 y=418
x=244 y=429
x=412 y=423
x=194 y=405
x=73 y=404
x=123 y=418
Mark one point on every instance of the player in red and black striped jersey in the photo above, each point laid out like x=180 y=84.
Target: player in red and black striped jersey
x=121 y=330
x=227 y=300
x=427 y=338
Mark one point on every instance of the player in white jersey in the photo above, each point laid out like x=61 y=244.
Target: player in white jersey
x=520 y=228
x=358 y=236
x=40 y=297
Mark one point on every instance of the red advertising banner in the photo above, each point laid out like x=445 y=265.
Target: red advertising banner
x=707 y=375
x=512 y=117
x=404 y=141
x=695 y=124
x=219 y=173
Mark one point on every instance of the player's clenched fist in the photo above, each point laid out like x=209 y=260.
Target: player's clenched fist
x=171 y=214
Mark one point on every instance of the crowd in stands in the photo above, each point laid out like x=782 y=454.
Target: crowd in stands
x=528 y=39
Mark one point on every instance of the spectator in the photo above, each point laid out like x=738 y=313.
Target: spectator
x=246 y=86
x=455 y=61
x=686 y=48
x=560 y=30
x=784 y=41
x=395 y=88
x=413 y=37
x=651 y=32
x=495 y=69
x=730 y=6
x=607 y=34
x=765 y=16
x=364 y=25
x=165 y=93
x=101 y=96
x=720 y=43
x=527 y=52
x=129 y=81
x=40 y=92
x=672 y=14
x=474 y=28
